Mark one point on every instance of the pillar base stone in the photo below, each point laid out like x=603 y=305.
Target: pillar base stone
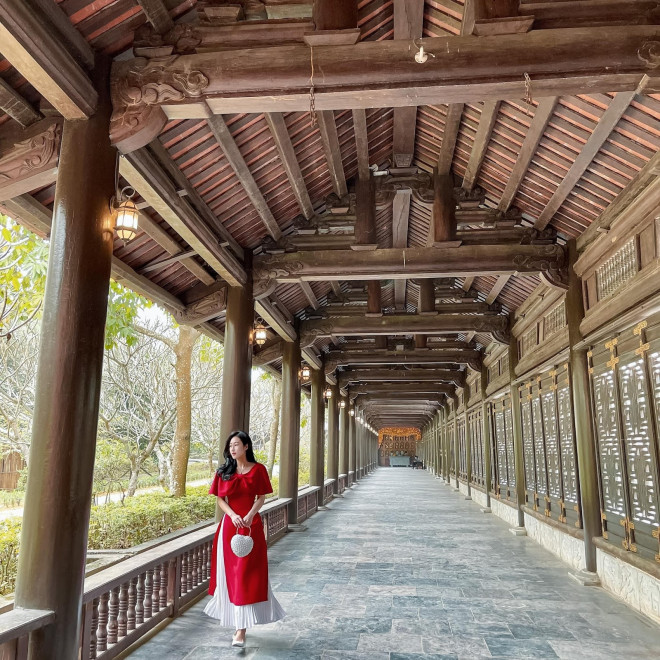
x=585 y=578
x=296 y=528
x=518 y=531
x=468 y=497
x=486 y=509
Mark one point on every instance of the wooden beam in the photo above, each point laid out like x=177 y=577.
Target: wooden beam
x=235 y=158
x=203 y=310
x=284 y=146
x=497 y=288
x=597 y=139
x=13 y=104
x=544 y=111
x=275 y=319
x=371 y=375
x=375 y=389
x=330 y=140
x=384 y=73
x=646 y=181
x=194 y=198
x=157 y=264
x=157 y=14
x=143 y=173
x=312 y=359
x=27 y=211
x=467 y=283
x=271 y=352
x=34 y=49
x=309 y=294
x=361 y=143
x=152 y=229
x=55 y=17
x=377 y=356
x=481 y=140
x=336 y=288
x=466 y=260
x=403 y=324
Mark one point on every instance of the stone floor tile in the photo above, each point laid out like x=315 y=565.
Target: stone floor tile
x=457 y=587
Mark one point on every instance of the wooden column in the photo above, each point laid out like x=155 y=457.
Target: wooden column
x=374 y=298
x=343 y=439
x=456 y=443
x=443 y=226
x=584 y=415
x=468 y=447
x=335 y=14
x=317 y=444
x=518 y=450
x=425 y=306
x=351 y=445
x=485 y=426
x=290 y=425
x=51 y=563
x=237 y=368
x=333 y=436
x=365 y=222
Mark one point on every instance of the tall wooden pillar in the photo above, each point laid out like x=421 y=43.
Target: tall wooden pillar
x=290 y=425
x=333 y=436
x=468 y=447
x=237 y=367
x=485 y=429
x=518 y=449
x=443 y=225
x=425 y=306
x=317 y=444
x=583 y=411
x=456 y=443
x=351 y=445
x=51 y=563
x=343 y=438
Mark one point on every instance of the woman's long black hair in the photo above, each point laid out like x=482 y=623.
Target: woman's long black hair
x=227 y=471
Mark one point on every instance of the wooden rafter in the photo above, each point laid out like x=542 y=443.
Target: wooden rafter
x=330 y=140
x=13 y=104
x=157 y=14
x=275 y=319
x=142 y=172
x=449 y=137
x=481 y=139
x=238 y=164
x=467 y=283
x=400 y=221
x=36 y=50
x=497 y=288
x=382 y=375
x=601 y=133
x=290 y=163
x=309 y=294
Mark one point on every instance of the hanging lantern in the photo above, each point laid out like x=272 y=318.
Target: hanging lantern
x=328 y=393
x=342 y=403
x=305 y=374
x=126 y=224
x=351 y=412
x=260 y=334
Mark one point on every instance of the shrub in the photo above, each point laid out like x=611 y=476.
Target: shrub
x=10 y=535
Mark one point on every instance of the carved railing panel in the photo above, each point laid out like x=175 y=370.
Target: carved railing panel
x=476 y=446
x=528 y=446
x=568 y=449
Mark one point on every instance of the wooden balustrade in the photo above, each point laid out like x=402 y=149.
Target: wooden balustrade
x=15 y=629
x=328 y=489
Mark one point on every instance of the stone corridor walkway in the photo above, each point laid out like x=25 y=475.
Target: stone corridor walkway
x=403 y=568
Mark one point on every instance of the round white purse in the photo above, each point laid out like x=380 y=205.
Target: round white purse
x=242 y=544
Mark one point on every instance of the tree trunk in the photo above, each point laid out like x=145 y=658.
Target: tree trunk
x=276 y=399
x=181 y=445
x=164 y=469
x=136 y=464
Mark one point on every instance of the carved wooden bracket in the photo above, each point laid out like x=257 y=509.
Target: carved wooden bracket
x=203 y=310
x=30 y=160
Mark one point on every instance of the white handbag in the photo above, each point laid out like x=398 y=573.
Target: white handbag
x=242 y=544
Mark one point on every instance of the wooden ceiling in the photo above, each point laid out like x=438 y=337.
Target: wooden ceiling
x=559 y=162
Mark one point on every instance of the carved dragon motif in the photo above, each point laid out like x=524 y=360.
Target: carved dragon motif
x=34 y=153
x=204 y=309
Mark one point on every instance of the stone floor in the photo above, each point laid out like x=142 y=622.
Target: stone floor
x=404 y=568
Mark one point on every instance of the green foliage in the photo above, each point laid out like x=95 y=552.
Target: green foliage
x=123 y=308
x=10 y=534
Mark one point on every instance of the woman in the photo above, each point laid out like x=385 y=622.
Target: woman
x=240 y=587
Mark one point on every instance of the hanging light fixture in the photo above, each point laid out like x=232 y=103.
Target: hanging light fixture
x=260 y=334
x=351 y=412
x=305 y=374
x=126 y=224
x=342 y=403
x=328 y=393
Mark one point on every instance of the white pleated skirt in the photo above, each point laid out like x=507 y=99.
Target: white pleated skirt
x=239 y=616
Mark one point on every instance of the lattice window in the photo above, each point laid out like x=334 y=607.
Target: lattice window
x=510 y=453
x=528 y=442
x=611 y=468
x=539 y=448
x=500 y=445
x=617 y=270
x=529 y=340
x=554 y=320
x=504 y=364
x=493 y=372
x=551 y=443
x=569 y=465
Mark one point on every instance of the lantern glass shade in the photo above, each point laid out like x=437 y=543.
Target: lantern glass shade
x=260 y=335
x=351 y=412
x=328 y=393
x=342 y=404
x=305 y=373
x=126 y=225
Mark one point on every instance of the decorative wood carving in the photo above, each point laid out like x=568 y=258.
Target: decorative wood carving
x=203 y=310
x=31 y=162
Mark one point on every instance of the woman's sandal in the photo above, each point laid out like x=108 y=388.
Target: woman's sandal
x=237 y=643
